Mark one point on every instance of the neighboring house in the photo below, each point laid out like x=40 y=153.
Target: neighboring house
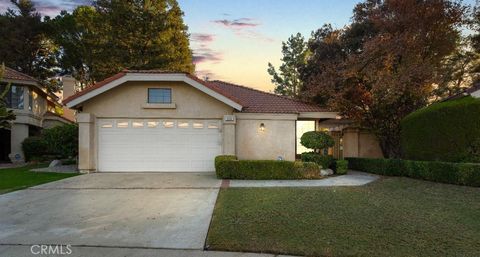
x=35 y=109
x=473 y=91
x=141 y=121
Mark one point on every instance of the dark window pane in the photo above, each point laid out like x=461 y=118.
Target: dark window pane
x=160 y=95
x=16 y=97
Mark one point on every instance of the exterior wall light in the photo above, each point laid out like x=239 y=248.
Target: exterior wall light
x=262 y=127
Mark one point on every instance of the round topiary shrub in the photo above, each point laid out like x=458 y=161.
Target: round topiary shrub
x=447 y=131
x=317 y=140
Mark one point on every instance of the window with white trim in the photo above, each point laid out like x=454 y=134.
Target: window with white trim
x=137 y=124
x=183 y=124
x=122 y=124
x=198 y=124
x=168 y=124
x=159 y=95
x=212 y=125
x=107 y=124
x=152 y=124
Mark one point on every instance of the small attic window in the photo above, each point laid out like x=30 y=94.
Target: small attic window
x=159 y=95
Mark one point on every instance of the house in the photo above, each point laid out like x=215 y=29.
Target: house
x=34 y=108
x=143 y=121
x=473 y=91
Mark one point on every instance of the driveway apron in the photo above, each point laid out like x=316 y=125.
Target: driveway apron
x=153 y=210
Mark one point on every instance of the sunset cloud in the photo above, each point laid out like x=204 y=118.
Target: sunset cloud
x=206 y=54
x=202 y=37
x=238 y=23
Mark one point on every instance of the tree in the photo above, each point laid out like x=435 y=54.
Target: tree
x=26 y=46
x=459 y=71
x=384 y=65
x=287 y=80
x=100 y=41
x=6 y=116
x=78 y=38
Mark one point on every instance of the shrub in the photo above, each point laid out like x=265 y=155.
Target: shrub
x=221 y=165
x=316 y=140
x=341 y=167
x=446 y=172
x=306 y=170
x=325 y=161
x=62 y=141
x=228 y=167
x=34 y=148
x=447 y=131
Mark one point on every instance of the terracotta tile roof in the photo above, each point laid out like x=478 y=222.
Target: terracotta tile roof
x=252 y=100
x=94 y=86
x=463 y=93
x=11 y=74
x=256 y=101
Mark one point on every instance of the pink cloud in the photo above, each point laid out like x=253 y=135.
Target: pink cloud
x=237 y=23
x=203 y=37
x=206 y=55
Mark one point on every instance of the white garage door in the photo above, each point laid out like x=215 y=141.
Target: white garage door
x=132 y=145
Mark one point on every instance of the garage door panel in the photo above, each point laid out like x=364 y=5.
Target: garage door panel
x=145 y=149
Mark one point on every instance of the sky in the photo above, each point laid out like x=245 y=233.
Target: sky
x=235 y=40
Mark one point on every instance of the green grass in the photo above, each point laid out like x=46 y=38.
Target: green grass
x=19 y=178
x=390 y=217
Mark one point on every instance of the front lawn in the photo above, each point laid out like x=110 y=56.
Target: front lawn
x=390 y=217
x=19 y=178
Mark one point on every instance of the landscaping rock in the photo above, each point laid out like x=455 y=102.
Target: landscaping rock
x=326 y=172
x=55 y=163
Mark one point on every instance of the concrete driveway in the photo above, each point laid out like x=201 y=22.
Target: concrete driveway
x=157 y=210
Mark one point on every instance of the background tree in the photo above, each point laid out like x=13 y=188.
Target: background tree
x=100 y=41
x=78 y=36
x=26 y=46
x=6 y=116
x=287 y=80
x=384 y=65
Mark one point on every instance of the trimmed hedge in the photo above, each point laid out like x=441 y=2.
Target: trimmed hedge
x=467 y=174
x=341 y=167
x=325 y=161
x=228 y=167
x=447 y=131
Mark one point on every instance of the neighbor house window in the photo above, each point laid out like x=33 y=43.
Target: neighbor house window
x=159 y=95
x=30 y=99
x=14 y=96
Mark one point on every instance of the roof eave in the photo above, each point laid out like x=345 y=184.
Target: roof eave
x=75 y=102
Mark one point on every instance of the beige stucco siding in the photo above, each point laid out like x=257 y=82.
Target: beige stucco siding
x=278 y=138
x=360 y=143
x=129 y=100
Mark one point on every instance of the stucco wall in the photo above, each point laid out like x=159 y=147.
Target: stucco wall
x=278 y=138
x=127 y=100
x=360 y=143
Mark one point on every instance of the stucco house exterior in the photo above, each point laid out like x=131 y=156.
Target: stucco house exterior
x=146 y=121
x=34 y=108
